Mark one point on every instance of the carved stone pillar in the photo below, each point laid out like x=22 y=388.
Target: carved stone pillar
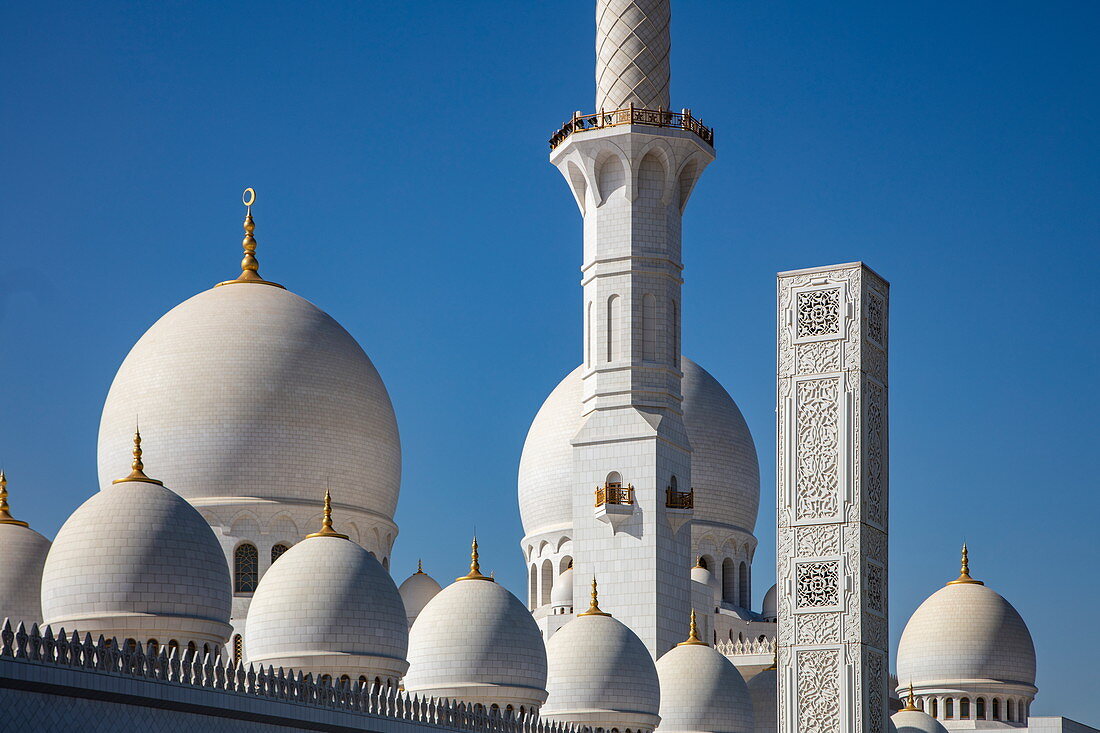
x=832 y=486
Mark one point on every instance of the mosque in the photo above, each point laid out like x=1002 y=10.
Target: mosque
x=210 y=581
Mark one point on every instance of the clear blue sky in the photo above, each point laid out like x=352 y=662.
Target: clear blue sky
x=399 y=151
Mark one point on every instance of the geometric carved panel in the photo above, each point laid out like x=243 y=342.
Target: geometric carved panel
x=817 y=443
x=818 y=313
x=818 y=684
x=817 y=584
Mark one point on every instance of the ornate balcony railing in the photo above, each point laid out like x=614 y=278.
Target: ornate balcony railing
x=633 y=116
x=614 y=494
x=679 y=499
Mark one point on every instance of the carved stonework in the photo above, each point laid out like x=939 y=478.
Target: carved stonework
x=818 y=313
x=816 y=441
x=817 y=628
x=818 y=540
x=818 y=357
x=818 y=682
x=817 y=584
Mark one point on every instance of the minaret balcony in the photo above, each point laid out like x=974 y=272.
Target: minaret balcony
x=614 y=504
x=614 y=493
x=679 y=499
x=633 y=116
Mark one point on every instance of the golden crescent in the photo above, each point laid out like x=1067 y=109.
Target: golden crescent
x=248 y=197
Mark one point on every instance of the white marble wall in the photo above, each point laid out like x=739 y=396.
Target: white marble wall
x=832 y=484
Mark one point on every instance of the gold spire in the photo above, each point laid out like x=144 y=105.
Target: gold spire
x=250 y=266
x=699 y=563
x=693 y=634
x=326 y=522
x=594 y=607
x=964 y=571
x=5 y=510
x=420 y=567
x=137 y=468
x=910 y=704
x=475 y=566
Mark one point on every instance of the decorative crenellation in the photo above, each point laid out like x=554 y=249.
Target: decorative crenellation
x=746 y=647
x=211 y=672
x=832 y=489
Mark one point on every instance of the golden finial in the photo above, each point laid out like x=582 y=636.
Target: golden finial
x=693 y=634
x=250 y=266
x=419 y=567
x=699 y=563
x=910 y=703
x=326 y=522
x=964 y=571
x=775 y=660
x=5 y=510
x=137 y=468
x=594 y=607
x=475 y=566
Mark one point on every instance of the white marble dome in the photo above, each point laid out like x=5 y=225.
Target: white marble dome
x=965 y=633
x=136 y=561
x=705 y=577
x=328 y=607
x=416 y=591
x=561 y=595
x=764 y=692
x=702 y=692
x=724 y=469
x=249 y=390
x=916 y=721
x=770 y=607
x=477 y=643
x=22 y=556
x=601 y=675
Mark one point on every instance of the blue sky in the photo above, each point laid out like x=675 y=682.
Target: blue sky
x=399 y=151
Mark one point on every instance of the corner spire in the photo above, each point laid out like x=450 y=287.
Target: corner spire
x=250 y=266
x=137 y=468
x=693 y=634
x=594 y=606
x=475 y=566
x=5 y=510
x=964 y=571
x=326 y=522
x=910 y=703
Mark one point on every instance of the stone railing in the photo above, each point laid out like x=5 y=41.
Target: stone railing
x=210 y=672
x=746 y=647
x=633 y=116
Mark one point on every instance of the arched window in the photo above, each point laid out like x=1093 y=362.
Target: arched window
x=703 y=563
x=154 y=647
x=173 y=647
x=673 y=484
x=614 y=480
x=674 y=333
x=949 y=708
x=649 y=327
x=533 y=589
x=277 y=551
x=131 y=645
x=588 y=336
x=565 y=564
x=246 y=570
x=996 y=708
x=979 y=708
x=1011 y=706
x=612 y=327
x=964 y=708
x=729 y=581
x=935 y=708
x=547 y=581
x=345 y=680
x=326 y=679
x=192 y=648
x=238 y=649
x=743 y=585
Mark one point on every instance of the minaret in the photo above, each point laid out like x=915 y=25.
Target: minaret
x=631 y=167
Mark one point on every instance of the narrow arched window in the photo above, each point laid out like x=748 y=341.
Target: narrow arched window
x=1011 y=705
x=277 y=551
x=345 y=680
x=996 y=709
x=743 y=585
x=649 y=327
x=674 y=332
x=363 y=681
x=729 y=581
x=533 y=591
x=612 y=327
x=588 y=336
x=964 y=708
x=173 y=647
x=935 y=708
x=949 y=708
x=131 y=645
x=246 y=569
x=154 y=647
x=546 y=582
x=238 y=649
x=979 y=711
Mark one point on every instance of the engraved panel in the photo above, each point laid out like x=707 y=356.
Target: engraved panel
x=875 y=682
x=818 y=684
x=817 y=313
x=817 y=628
x=817 y=584
x=874 y=451
x=816 y=449
x=817 y=540
x=876 y=318
x=818 y=357
x=872 y=588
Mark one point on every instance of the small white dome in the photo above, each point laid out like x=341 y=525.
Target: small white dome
x=476 y=642
x=702 y=692
x=770 y=609
x=252 y=391
x=328 y=607
x=601 y=675
x=705 y=577
x=416 y=591
x=562 y=592
x=137 y=561
x=725 y=472
x=764 y=691
x=966 y=633
x=916 y=721
x=22 y=555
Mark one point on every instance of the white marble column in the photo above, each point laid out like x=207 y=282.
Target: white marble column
x=832 y=490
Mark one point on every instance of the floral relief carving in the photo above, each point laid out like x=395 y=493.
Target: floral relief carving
x=817 y=313
x=818 y=540
x=818 y=357
x=875 y=631
x=816 y=448
x=876 y=318
x=873 y=590
x=817 y=584
x=875 y=443
x=876 y=693
x=817 y=628
x=817 y=679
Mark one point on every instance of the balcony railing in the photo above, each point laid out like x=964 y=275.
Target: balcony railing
x=614 y=494
x=679 y=499
x=633 y=116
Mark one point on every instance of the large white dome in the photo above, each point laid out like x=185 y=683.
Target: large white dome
x=248 y=390
x=416 y=591
x=476 y=642
x=702 y=692
x=137 y=561
x=724 y=469
x=965 y=634
x=916 y=721
x=764 y=692
x=22 y=555
x=601 y=675
x=328 y=607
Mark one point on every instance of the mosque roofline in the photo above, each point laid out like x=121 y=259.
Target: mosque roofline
x=830 y=268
